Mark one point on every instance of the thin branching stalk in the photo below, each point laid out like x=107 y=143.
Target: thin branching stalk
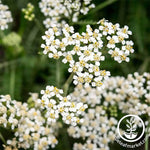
x=2 y=138
x=58 y=73
x=39 y=25
x=147 y=136
x=85 y=22
x=12 y=80
x=67 y=83
x=103 y=5
x=9 y=63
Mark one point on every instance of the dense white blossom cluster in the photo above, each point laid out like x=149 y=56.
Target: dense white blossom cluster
x=129 y=95
x=5 y=16
x=84 y=52
x=9 y=111
x=97 y=130
x=57 y=105
x=58 y=11
x=29 y=124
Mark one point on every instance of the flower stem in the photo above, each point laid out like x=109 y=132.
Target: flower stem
x=2 y=34
x=58 y=73
x=39 y=25
x=147 y=137
x=146 y=142
x=2 y=138
x=102 y=5
x=67 y=83
x=85 y=22
x=12 y=80
x=9 y=63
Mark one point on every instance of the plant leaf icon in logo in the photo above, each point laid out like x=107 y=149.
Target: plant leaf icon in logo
x=131 y=128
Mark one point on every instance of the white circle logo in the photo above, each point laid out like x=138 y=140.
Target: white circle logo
x=131 y=128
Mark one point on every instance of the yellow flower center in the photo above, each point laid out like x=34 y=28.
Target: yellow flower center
x=128 y=47
x=96 y=57
x=95 y=68
x=56 y=91
x=69 y=57
x=74 y=68
x=80 y=79
x=120 y=38
x=82 y=63
x=50 y=105
x=76 y=48
x=103 y=73
x=87 y=53
x=47 y=91
x=123 y=57
x=73 y=105
x=68 y=117
x=62 y=45
x=88 y=79
x=99 y=83
x=55 y=29
x=114 y=54
x=56 y=56
x=52 y=115
x=87 y=37
x=111 y=41
x=65 y=99
x=61 y=109
x=82 y=108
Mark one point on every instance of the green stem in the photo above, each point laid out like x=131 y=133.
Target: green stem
x=2 y=34
x=7 y=63
x=146 y=142
x=147 y=137
x=58 y=73
x=68 y=82
x=103 y=5
x=145 y=65
x=39 y=25
x=66 y=140
x=2 y=138
x=85 y=22
x=12 y=80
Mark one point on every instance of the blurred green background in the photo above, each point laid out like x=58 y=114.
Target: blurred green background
x=23 y=69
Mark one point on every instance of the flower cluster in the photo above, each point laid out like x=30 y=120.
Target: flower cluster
x=57 y=105
x=58 y=11
x=136 y=92
x=97 y=130
x=117 y=36
x=29 y=12
x=129 y=95
x=84 y=51
x=5 y=16
x=12 y=39
x=9 y=112
x=29 y=124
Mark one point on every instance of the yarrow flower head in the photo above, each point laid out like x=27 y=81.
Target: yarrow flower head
x=5 y=16
x=84 y=52
x=129 y=95
x=29 y=12
x=57 y=105
x=58 y=11
x=12 y=39
x=29 y=124
x=98 y=129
